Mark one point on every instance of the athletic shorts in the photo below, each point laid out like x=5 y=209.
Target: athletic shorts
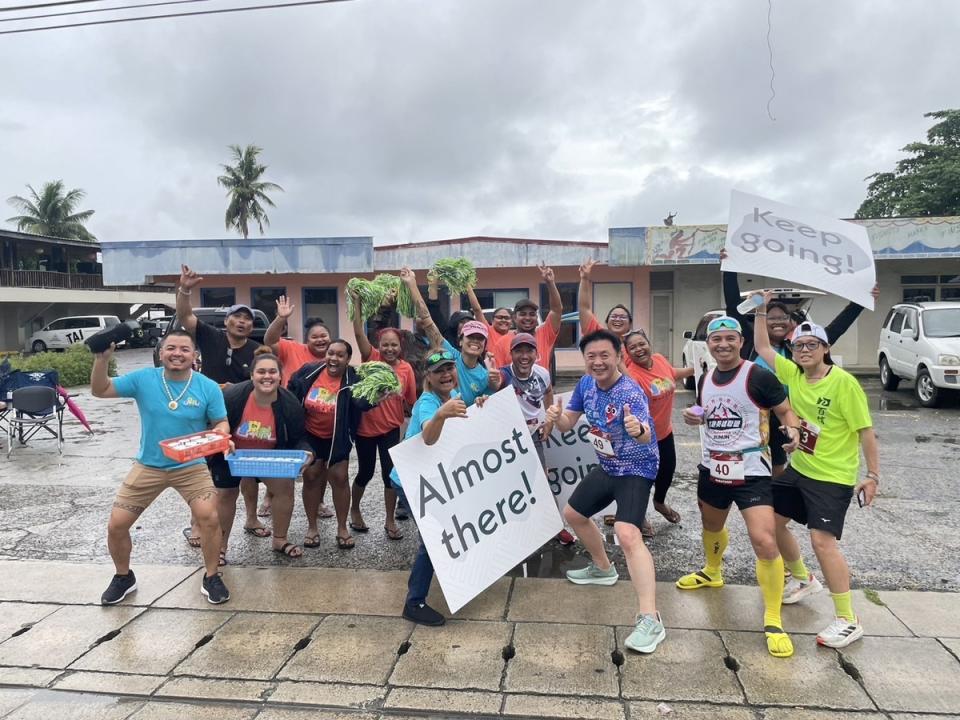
x=320 y=447
x=755 y=491
x=597 y=490
x=144 y=484
x=817 y=504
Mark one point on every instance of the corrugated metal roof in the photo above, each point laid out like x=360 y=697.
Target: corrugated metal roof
x=135 y=262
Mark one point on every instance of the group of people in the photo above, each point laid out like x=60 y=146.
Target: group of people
x=774 y=391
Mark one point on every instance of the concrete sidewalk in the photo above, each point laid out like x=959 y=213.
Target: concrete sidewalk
x=329 y=643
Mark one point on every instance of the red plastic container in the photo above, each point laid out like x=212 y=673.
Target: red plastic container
x=196 y=445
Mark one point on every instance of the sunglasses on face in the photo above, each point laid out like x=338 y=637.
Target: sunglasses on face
x=619 y=317
x=807 y=345
x=229 y=361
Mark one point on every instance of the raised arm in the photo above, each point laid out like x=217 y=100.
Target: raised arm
x=101 y=385
x=362 y=343
x=585 y=296
x=423 y=314
x=761 y=340
x=188 y=281
x=476 y=308
x=275 y=329
x=555 y=315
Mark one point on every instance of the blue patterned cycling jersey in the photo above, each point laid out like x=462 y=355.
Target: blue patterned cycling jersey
x=604 y=411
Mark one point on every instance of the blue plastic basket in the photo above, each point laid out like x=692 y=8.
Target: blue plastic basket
x=266 y=463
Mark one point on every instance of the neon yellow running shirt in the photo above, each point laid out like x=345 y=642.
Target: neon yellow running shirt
x=833 y=411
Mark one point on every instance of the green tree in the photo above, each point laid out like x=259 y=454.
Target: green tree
x=52 y=212
x=246 y=190
x=927 y=182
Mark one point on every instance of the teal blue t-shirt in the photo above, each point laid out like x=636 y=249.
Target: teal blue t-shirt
x=471 y=382
x=424 y=409
x=201 y=407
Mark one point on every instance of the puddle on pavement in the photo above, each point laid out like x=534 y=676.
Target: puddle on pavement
x=889 y=401
x=938 y=438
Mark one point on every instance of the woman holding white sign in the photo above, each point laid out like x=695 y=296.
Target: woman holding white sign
x=439 y=402
x=822 y=478
x=625 y=442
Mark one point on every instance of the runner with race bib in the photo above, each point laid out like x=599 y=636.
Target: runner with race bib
x=735 y=400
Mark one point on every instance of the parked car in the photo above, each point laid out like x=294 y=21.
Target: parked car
x=66 y=331
x=920 y=341
x=695 y=353
x=144 y=333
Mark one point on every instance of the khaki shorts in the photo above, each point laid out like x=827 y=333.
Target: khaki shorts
x=144 y=484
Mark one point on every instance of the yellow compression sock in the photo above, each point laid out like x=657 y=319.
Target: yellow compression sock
x=714 y=545
x=770 y=580
x=843 y=605
x=797 y=569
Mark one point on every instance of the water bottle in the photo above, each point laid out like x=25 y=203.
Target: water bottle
x=751 y=303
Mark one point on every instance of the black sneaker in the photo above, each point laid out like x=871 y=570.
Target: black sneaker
x=120 y=587
x=423 y=614
x=214 y=589
x=402 y=512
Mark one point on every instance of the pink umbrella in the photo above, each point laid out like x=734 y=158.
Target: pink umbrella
x=72 y=407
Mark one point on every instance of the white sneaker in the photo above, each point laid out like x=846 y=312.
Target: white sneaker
x=796 y=590
x=840 y=633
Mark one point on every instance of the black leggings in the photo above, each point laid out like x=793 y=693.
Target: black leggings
x=367 y=450
x=668 y=464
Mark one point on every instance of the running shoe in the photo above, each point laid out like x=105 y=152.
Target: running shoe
x=423 y=614
x=647 y=635
x=700 y=579
x=592 y=575
x=796 y=590
x=840 y=633
x=565 y=537
x=119 y=588
x=214 y=589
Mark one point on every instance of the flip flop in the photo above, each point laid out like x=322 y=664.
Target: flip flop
x=223 y=559
x=670 y=514
x=289 y=549
x=345 y=543
x=192 y=540
x=393 y=534
x=325 y=512
x=260 y=532
x=646 y=530
x=697 y=580
x=311 y=541
x=359 y=528
x=263 y=511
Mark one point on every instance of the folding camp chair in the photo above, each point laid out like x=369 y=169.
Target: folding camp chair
x=33 y=405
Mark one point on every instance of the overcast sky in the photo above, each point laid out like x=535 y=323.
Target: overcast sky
x=418 y=120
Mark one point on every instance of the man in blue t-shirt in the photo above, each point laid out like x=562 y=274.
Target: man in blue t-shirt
x=622 y=435
x=172 y=400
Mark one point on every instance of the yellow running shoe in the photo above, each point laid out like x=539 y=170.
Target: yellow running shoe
x=778 y=642
x=699 y=579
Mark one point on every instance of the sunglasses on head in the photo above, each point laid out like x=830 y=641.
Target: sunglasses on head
x=438 y=357
x=723 y=324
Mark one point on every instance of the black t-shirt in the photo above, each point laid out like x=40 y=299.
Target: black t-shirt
x=762 y=385
x=218 y=362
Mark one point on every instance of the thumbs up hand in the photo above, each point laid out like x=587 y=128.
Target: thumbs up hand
x=632 y=424
x=555 y=411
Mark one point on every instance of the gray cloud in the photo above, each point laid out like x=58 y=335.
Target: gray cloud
x=413 y=121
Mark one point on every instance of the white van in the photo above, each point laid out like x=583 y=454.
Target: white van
x=64 y=332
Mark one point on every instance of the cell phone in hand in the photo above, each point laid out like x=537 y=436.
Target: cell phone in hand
x=861 y=497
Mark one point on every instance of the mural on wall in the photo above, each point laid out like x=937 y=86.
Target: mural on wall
x=914 y=237
x=700 y=244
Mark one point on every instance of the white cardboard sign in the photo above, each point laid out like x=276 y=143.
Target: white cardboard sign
x=479 y=496
x=802 y=246
x=569 y=457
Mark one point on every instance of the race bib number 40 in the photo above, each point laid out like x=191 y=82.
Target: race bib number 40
x=727 y=468
x=601 y=442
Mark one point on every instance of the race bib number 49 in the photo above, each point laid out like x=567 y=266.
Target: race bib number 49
x=727 y=468
x=601 y=442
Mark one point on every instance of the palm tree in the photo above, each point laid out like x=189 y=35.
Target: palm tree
x=52 y=212
x=245 y=189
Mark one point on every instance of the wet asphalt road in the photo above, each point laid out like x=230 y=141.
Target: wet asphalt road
x=56 y=508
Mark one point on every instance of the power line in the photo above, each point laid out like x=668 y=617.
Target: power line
x=195 y=13
x=100 y=10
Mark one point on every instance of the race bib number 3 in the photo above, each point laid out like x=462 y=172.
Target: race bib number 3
x=727 y=468
x=601 y=443
x=809 y=434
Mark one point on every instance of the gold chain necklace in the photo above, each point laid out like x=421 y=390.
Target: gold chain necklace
x=175 y=401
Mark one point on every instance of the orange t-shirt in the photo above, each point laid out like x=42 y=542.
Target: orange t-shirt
x=495 y=335
x=256 y=430
x=659 y=384
x=546 y=338
x=293 y=356
x=320 y=405
x=388 y=415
